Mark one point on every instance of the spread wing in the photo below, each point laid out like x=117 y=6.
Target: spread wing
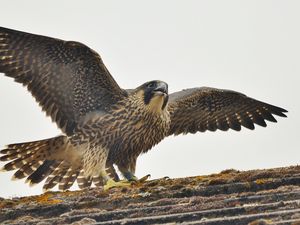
x=67 y=78
x=201 y=109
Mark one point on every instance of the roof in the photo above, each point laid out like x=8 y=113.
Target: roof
x=230 y=197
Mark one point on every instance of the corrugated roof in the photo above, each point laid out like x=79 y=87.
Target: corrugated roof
x=270 y=196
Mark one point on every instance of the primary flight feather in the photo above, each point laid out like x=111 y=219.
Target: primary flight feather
x=104 y=125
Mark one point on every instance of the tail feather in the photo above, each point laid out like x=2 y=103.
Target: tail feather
x=83 y=181
x=26 y=170
x=98 y=181
x=54 y=159
x=68 y=179
x=23 y=153
x=42 y=172
x=49 y=158
x=54 y=178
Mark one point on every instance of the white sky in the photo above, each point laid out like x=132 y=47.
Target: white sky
x=248 y=46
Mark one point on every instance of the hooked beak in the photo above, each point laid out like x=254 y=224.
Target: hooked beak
x=161 y=89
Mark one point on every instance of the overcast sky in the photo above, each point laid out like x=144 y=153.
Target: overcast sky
x=248 y=46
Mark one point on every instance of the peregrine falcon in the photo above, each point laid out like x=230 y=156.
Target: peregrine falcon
x=104 y=125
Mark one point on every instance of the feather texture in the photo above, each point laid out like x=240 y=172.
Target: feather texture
x=67 y=78
x=201 y=109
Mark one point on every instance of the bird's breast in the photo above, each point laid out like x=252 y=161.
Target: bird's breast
x=138 y=133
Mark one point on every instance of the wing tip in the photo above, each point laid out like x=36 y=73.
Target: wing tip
x=278 y=111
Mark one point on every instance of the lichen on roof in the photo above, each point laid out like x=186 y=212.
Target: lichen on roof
x=230 y=197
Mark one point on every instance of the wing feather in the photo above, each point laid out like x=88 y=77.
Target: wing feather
x=67 y=78
x=201 y=109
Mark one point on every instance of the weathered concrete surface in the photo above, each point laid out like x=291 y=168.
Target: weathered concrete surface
x=231 y=197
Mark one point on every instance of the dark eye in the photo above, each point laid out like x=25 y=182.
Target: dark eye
x=151 y=85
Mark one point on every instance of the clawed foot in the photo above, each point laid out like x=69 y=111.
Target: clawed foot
x=134 y=180
x=141 y=180
x=125 y=183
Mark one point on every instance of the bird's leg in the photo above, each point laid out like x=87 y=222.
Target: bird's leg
x=128 y=173
x=110 y=183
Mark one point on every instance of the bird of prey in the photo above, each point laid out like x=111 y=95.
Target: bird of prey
x=104 y=125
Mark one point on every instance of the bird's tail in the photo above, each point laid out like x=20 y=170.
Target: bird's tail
x=51 y=158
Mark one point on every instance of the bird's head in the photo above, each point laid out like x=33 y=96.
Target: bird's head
x=154 y=95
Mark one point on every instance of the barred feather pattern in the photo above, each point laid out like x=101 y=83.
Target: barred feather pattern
x=202 y=109
x=42 y=172
x=44 y=159
x=83 y=181
x=56 y=176
x=28 y=157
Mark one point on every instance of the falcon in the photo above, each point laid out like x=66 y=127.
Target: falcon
x=104 y=125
